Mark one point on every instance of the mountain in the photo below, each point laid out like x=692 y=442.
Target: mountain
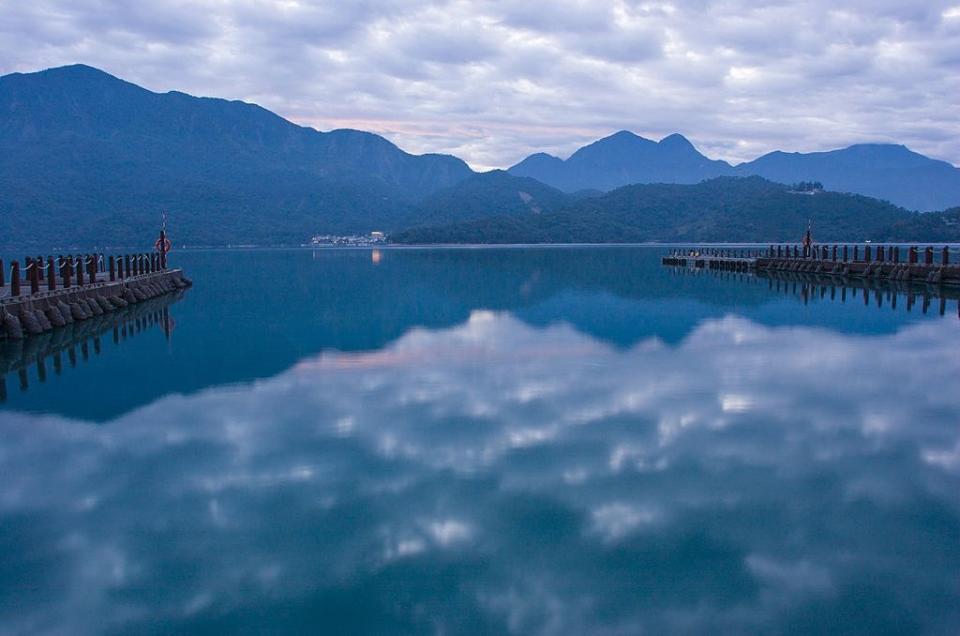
x=87 y=158
x=720 y=209
x=622 y=159
x=884 y=171
x=931 y=227
x=494 y=193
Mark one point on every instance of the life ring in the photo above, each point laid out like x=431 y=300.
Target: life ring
x=163 y=245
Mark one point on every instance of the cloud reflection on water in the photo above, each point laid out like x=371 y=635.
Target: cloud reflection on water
x=494 y=476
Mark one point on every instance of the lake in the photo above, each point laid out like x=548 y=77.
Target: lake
x=551 y=440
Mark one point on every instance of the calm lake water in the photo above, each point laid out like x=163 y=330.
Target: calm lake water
x=536 y=440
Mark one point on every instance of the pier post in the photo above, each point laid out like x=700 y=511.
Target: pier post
x=912 y=254
x=66 y=266
x=34 y=275
x=40 y=271
x=928 y=256
x=845 y=247
x=126 y=259
x=79 y=271
x=3 y=282
x=880 y=254
x=944 y=256
x=113 y=268
x=15 y=278
x=92 y=268
x=896 y=253
x=856 y=253
x=51 y=274
x=866 y=253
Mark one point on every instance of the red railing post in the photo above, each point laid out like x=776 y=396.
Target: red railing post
x=15 y=278
x=34 y=275
x=928 y=256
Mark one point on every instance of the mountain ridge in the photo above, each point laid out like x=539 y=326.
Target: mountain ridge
x=89 y=158
x=97 y=157
x=890 y=172
x=744 y=209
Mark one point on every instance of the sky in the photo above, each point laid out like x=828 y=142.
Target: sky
x=493 y=81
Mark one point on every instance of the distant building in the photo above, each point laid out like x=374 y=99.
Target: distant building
x=373 y=238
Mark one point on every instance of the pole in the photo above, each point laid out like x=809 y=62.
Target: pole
x=15 y=278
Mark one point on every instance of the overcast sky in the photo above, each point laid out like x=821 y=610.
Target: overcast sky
x=492 y=81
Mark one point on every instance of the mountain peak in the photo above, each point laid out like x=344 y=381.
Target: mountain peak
x=621 y=137
x=676 y=140
x=75 y=72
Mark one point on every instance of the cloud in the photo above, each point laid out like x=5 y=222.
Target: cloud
x=495 y=81
x=530 y=480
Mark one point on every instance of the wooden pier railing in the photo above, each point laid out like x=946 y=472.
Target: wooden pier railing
x=50 y=273
x=938 y=265
x=43 y=292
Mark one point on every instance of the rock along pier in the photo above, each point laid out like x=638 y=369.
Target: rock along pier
x=43 y=293
x=908 y=263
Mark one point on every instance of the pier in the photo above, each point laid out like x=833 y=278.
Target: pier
x=725 y=259
x=908 y=263
x=42 y=293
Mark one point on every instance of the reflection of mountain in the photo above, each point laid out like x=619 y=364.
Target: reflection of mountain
x=503 y=479
x=253 y=314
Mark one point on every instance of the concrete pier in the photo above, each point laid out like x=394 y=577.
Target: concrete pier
x=732 y=259
x=42 y=309
x=928 y=264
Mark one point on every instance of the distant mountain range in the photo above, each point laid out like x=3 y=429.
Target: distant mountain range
x=884 y=171
x=85 y=157
x=88 y=159
x=715 y=210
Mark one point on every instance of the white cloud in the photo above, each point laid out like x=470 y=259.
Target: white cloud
x=494 y=81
